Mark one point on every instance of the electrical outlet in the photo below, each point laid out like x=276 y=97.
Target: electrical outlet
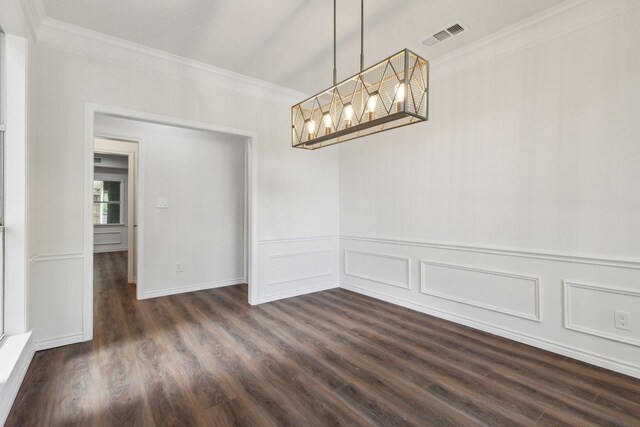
x=179 y=266
x=622 y=320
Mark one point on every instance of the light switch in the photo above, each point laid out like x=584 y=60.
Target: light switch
x=163 y=203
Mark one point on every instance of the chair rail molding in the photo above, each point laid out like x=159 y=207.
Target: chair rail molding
x=55 y=256
x=602 y=261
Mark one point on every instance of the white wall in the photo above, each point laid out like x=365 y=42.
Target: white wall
x=297 y=190
x=16 y=348
x=202 y=176
x=526 y=176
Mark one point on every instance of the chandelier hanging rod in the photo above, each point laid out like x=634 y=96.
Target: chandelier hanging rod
x=361 y=35
x=390 y=94
x=335 y=67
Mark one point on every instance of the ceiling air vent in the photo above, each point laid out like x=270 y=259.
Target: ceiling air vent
x=443 y=35
x=455 y=29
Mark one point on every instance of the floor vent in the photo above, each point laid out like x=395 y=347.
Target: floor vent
x=445 y=34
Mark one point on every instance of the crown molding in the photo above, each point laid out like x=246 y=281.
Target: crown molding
x=568 y=16
x=34 y=13
x=54 y=34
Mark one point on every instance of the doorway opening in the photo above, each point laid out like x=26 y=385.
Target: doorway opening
x=184 y=209
x=115 y=183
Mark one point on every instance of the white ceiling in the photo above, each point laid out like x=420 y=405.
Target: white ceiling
x=289 y=42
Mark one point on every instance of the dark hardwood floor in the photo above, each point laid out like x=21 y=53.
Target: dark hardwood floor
x=331 y=358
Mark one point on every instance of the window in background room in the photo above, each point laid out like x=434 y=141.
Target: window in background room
x=107 y=206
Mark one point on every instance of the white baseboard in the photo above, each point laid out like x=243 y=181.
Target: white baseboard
x=21 y=353
x=59 y=341
x=297 y=292
x=193 y=288
x=574 y=353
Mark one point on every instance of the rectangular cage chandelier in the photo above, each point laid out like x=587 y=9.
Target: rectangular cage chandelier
x=390 y=94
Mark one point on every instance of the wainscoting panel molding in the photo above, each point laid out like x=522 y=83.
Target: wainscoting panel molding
x=506 y=293
x=517 y=294
x=297 y=266
x=590 y=309
x=390 y=270
x=107 y=238
x=52 y=278
x=292 y=266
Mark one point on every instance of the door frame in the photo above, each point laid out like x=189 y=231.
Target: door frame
x=251 y=197
x=132 y=195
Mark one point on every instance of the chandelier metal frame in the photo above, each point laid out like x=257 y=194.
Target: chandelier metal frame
x=390 y=94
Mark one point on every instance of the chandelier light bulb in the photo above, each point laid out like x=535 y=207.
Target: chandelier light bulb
x=311 y=128
x=372 y=103
x=348 y=115
x=328 y=123
x=400 y=95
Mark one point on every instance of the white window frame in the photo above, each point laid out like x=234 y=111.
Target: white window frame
x=123 y=196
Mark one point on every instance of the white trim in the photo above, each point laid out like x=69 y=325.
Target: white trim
x=251 y=233
x=59 y=341
x=32 y=14
x=297 y=292
x=193 y=288
x=60 y=256
x=62 y=36
x=297 y=278
x=572 y=352
x=117 y=233
x=551 y=23
x=536 y=283
x=406 y=285
x=567 y=285
x=568 y=16
x=275 y=241
x=9 y=390
x=520 y=253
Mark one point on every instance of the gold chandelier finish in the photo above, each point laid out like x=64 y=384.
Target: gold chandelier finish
x=387 y=95
x=390 y=94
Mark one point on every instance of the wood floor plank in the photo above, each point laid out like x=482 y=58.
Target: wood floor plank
x=332 y=358
x=382 y=384
x=482 y=352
